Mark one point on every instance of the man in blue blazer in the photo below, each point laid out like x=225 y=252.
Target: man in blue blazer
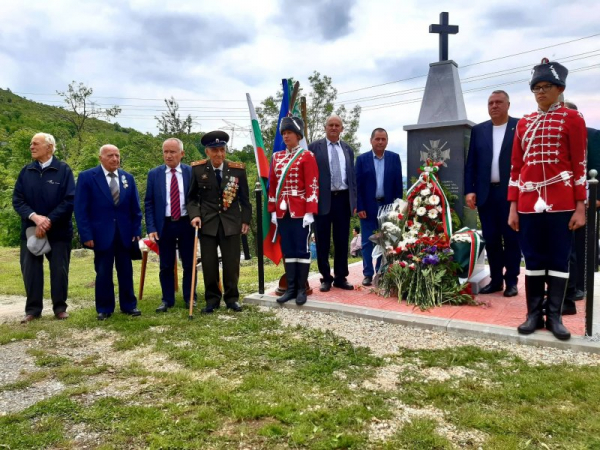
x=337 y=203
x=487 y=172
x=168 y=222
x=379 y=183
x=109 y=221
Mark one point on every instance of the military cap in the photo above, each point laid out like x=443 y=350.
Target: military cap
x=215 y=138
x=294 y=124
x=549 y=71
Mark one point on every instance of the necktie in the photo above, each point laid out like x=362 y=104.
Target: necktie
x=114 y=187
x=175 y=205
x=336 y=172
x=218 y=175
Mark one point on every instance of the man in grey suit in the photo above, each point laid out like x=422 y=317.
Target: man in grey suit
x=337 y=202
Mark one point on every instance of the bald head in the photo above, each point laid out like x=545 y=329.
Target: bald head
x=110 y=157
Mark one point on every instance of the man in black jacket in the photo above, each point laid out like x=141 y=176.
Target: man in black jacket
x=43 y=197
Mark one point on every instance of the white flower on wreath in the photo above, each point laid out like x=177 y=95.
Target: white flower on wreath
x=417 y=202
x=439 y=208
x=425 y=192
x=432 y=213
x=421 y=211
x=434 y=200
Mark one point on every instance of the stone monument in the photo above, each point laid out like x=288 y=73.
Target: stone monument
x=443 y=131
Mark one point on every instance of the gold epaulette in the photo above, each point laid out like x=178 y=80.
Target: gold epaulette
x=236 y=165
x=199 y=162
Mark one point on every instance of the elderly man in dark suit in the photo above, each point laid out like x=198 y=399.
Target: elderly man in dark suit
x=43 y=197
x=218 y=203
x=487 y=172
x=168 y=222
x=337 y=203
x=379 y=183
x=109 y=221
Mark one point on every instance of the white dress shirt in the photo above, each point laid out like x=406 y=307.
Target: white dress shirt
x=497 y=139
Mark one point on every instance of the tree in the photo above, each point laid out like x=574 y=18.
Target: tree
x=80 y=108
x=320 y=105
x=170 y=122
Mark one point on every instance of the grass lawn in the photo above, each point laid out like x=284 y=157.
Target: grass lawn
x=244 y=381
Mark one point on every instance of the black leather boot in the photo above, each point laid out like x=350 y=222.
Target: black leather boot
x=534 y=292
x=556 y=294
x=302 y=270
x=292 y=289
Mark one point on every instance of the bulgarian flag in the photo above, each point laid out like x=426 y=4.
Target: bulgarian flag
x=272 y=250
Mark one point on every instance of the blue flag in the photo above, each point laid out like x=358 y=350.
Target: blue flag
x=278 y=144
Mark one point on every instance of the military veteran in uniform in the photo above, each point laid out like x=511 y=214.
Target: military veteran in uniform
x=218 y=203
x=547 y=191
x=293 y=202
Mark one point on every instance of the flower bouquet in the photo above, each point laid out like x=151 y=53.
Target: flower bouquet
x=415 y=237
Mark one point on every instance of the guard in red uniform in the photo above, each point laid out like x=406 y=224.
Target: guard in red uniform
x=293 y=200
x=547 y=191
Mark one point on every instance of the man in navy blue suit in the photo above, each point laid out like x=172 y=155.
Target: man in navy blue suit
x=109 y=221
x=168 y=222
x=337 y=203
x=487 y=172
x=379 y=183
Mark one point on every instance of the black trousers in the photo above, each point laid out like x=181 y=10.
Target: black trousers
x=175 y=235
x=546 y=243
x=294 y=239
x=230 y=258
x=501 y=241
x=338 y=222
x=32 y=268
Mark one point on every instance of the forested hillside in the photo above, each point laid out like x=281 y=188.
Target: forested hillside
x=20 y=119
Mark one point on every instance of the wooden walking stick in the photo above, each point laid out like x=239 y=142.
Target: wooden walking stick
x=192 y=290
x=143 y=274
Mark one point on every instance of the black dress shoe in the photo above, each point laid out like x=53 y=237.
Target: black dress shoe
x=490 y=288
x=133 y=313
x=104 y=316
x=569 y=310
x=163 y=307
x=187 y=304
x=235 y=306
x=207 y=310
x=343 y=285
x=511 y=291
x=367 y=281
x=325 y=286
x=579 y=294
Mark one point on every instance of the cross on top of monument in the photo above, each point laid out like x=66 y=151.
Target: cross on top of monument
x=443 y=29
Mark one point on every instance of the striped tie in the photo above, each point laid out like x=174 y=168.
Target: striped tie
x=175 y=206
x=114 y=187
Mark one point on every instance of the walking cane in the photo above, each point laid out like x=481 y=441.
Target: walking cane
x=192 y=290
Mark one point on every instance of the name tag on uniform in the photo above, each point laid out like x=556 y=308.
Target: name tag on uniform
x=295 y=192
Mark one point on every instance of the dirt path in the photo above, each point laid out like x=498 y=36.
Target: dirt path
x=12 y=308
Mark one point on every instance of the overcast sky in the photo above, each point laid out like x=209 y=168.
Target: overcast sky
x=139 y=52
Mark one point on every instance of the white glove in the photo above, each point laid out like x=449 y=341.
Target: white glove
x=307 y=220
x=274 y=218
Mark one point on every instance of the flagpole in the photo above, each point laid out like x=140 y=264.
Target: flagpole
x=259 y=239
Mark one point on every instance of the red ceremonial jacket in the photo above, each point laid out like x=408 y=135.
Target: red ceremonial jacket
x=549 y=161
x=299 y=192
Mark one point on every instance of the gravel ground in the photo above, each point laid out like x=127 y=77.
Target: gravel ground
x=387 y=339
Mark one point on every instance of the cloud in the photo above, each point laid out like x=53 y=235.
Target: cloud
x=313 y=19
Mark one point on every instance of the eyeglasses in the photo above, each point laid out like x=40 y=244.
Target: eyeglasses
x=545 y=88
